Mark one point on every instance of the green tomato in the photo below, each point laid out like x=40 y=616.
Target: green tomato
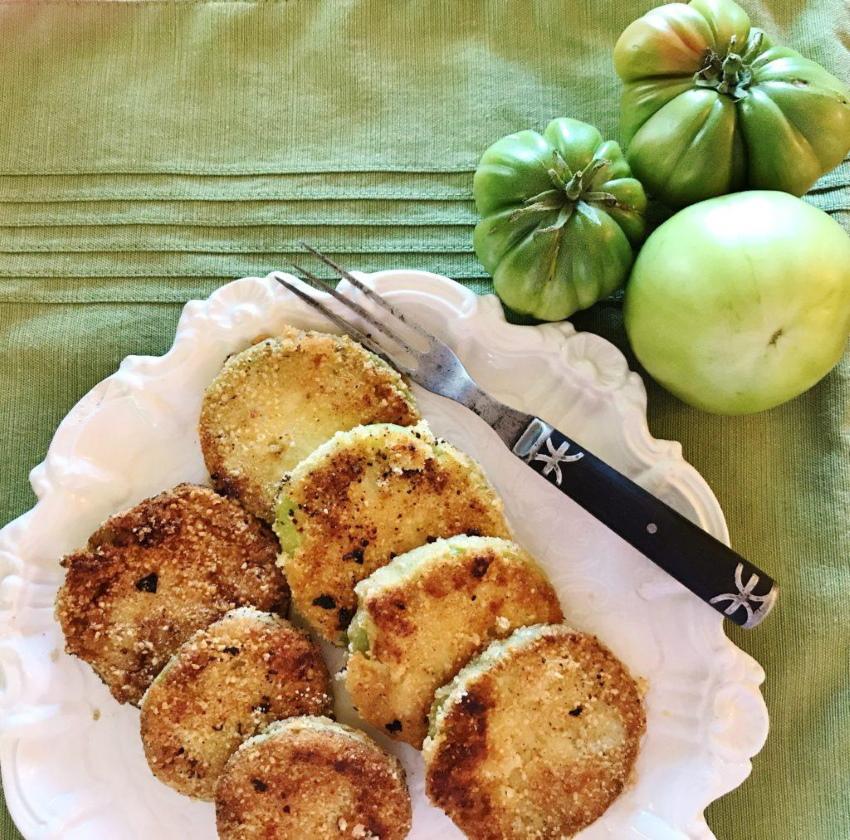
x=739 y=303
x=711 y=106
x=560 y=215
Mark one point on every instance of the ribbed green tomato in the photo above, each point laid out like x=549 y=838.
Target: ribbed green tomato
x=741 y=302
x=560 y=214
x=711 y=106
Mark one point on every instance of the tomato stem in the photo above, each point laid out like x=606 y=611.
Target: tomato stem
x=557 y=179
x=729 y=73
x=568 y=189
x=581 y=180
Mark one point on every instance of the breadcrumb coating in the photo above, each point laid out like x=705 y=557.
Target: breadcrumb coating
x=366 y=496
x=312 y=778
x=534 y=739
x=223 y=686
x=153 y=575
x=274 y=403
x=421 y=618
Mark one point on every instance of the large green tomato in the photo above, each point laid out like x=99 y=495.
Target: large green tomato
x=711 y=106
x=560 y=214
x=742 y=302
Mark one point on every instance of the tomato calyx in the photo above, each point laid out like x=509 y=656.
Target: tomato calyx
x=569 y=188
x=728 y=73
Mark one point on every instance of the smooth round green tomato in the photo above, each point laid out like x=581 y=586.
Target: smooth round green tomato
x=742 y=302
x=560 y=216
x=710 y=106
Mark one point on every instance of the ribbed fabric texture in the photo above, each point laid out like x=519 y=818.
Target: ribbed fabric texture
x=150 y=151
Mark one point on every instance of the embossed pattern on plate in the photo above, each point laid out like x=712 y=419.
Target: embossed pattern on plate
x=72 y=763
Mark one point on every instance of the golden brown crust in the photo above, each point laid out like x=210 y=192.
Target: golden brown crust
x=224 y=685
x=153 y=575
x=538 y=744
x=372 y=494
x=315 y=781
x=275 y=402
x=463 y=594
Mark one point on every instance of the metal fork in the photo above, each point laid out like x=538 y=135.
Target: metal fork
x=713 y=571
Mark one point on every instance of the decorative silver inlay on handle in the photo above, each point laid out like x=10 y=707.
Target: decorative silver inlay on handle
x=745 y=599
x=555 y=458
x=531 y=442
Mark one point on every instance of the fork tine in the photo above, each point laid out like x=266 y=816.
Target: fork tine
x=370 y=293
x=356 y=307
x=358 y=335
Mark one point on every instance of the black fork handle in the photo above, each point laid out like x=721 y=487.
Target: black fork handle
x=732 y=585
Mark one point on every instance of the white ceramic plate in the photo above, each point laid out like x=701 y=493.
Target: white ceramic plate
x=71 y=758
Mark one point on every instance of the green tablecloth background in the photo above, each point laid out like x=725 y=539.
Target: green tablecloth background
x=151 y=151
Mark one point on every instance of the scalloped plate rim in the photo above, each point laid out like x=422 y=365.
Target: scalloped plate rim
x=629 y=397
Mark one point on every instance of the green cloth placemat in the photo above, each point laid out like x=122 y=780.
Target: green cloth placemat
x=317 y=86
x=151 y=151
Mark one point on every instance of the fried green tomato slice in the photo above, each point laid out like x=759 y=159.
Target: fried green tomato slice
x=274 y=403
x=366 y=496
x=223 y=686
x=534 y=739
x=312 y=778
x=153 y=575
x=423 y=616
